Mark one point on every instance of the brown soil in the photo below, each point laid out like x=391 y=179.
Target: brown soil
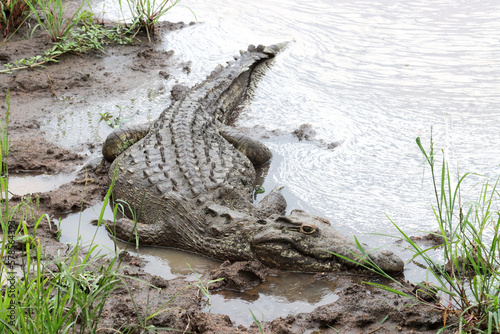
x=358 y=310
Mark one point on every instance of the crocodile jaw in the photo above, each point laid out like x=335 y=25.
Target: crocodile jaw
x=287 y=257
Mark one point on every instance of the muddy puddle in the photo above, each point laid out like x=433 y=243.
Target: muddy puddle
x=288 y=293
x=101 y=117
x=28 y=183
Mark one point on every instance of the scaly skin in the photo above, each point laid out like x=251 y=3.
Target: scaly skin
x=190 y=181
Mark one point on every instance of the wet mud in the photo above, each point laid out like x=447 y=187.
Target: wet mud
x=359 y=309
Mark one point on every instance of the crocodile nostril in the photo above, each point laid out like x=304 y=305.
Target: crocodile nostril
x=387 y=252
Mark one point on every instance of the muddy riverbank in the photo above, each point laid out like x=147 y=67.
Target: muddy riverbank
x=92 y=79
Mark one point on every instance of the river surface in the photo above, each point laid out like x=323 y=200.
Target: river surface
x=370 y=75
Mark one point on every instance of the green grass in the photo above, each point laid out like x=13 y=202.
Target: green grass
x=203 y=287
x=4 y=168
x=53 y=17
x=468 y=282
x=89 y=35
x=147 y=13
x=54 y=301
x=257 y=322
x=74 y=33
x=13 y=13
x=48 y=296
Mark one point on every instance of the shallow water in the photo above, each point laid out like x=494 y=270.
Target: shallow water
x=167 y=263
x=370 y=75
x=290 y=293
x=28 y=183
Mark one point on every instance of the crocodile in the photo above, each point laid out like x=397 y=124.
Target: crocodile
x=188 y=179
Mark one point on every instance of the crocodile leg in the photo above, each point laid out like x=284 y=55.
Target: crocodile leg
x=254 y=150
x=120 y=139
x=147 y=234
x=272 y=203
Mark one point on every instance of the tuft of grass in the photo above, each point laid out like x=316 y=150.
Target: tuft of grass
x=52 y=17
x=13 y=13
x=55 y=301
x=468 y=282
x=147 y=13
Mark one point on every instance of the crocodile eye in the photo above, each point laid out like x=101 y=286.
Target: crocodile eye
x=307 y=229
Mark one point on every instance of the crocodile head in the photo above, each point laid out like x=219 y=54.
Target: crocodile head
x=304 y=242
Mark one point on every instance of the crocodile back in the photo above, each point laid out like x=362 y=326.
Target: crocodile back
x=184 y=156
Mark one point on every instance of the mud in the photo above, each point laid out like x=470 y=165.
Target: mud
x=92 y=76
